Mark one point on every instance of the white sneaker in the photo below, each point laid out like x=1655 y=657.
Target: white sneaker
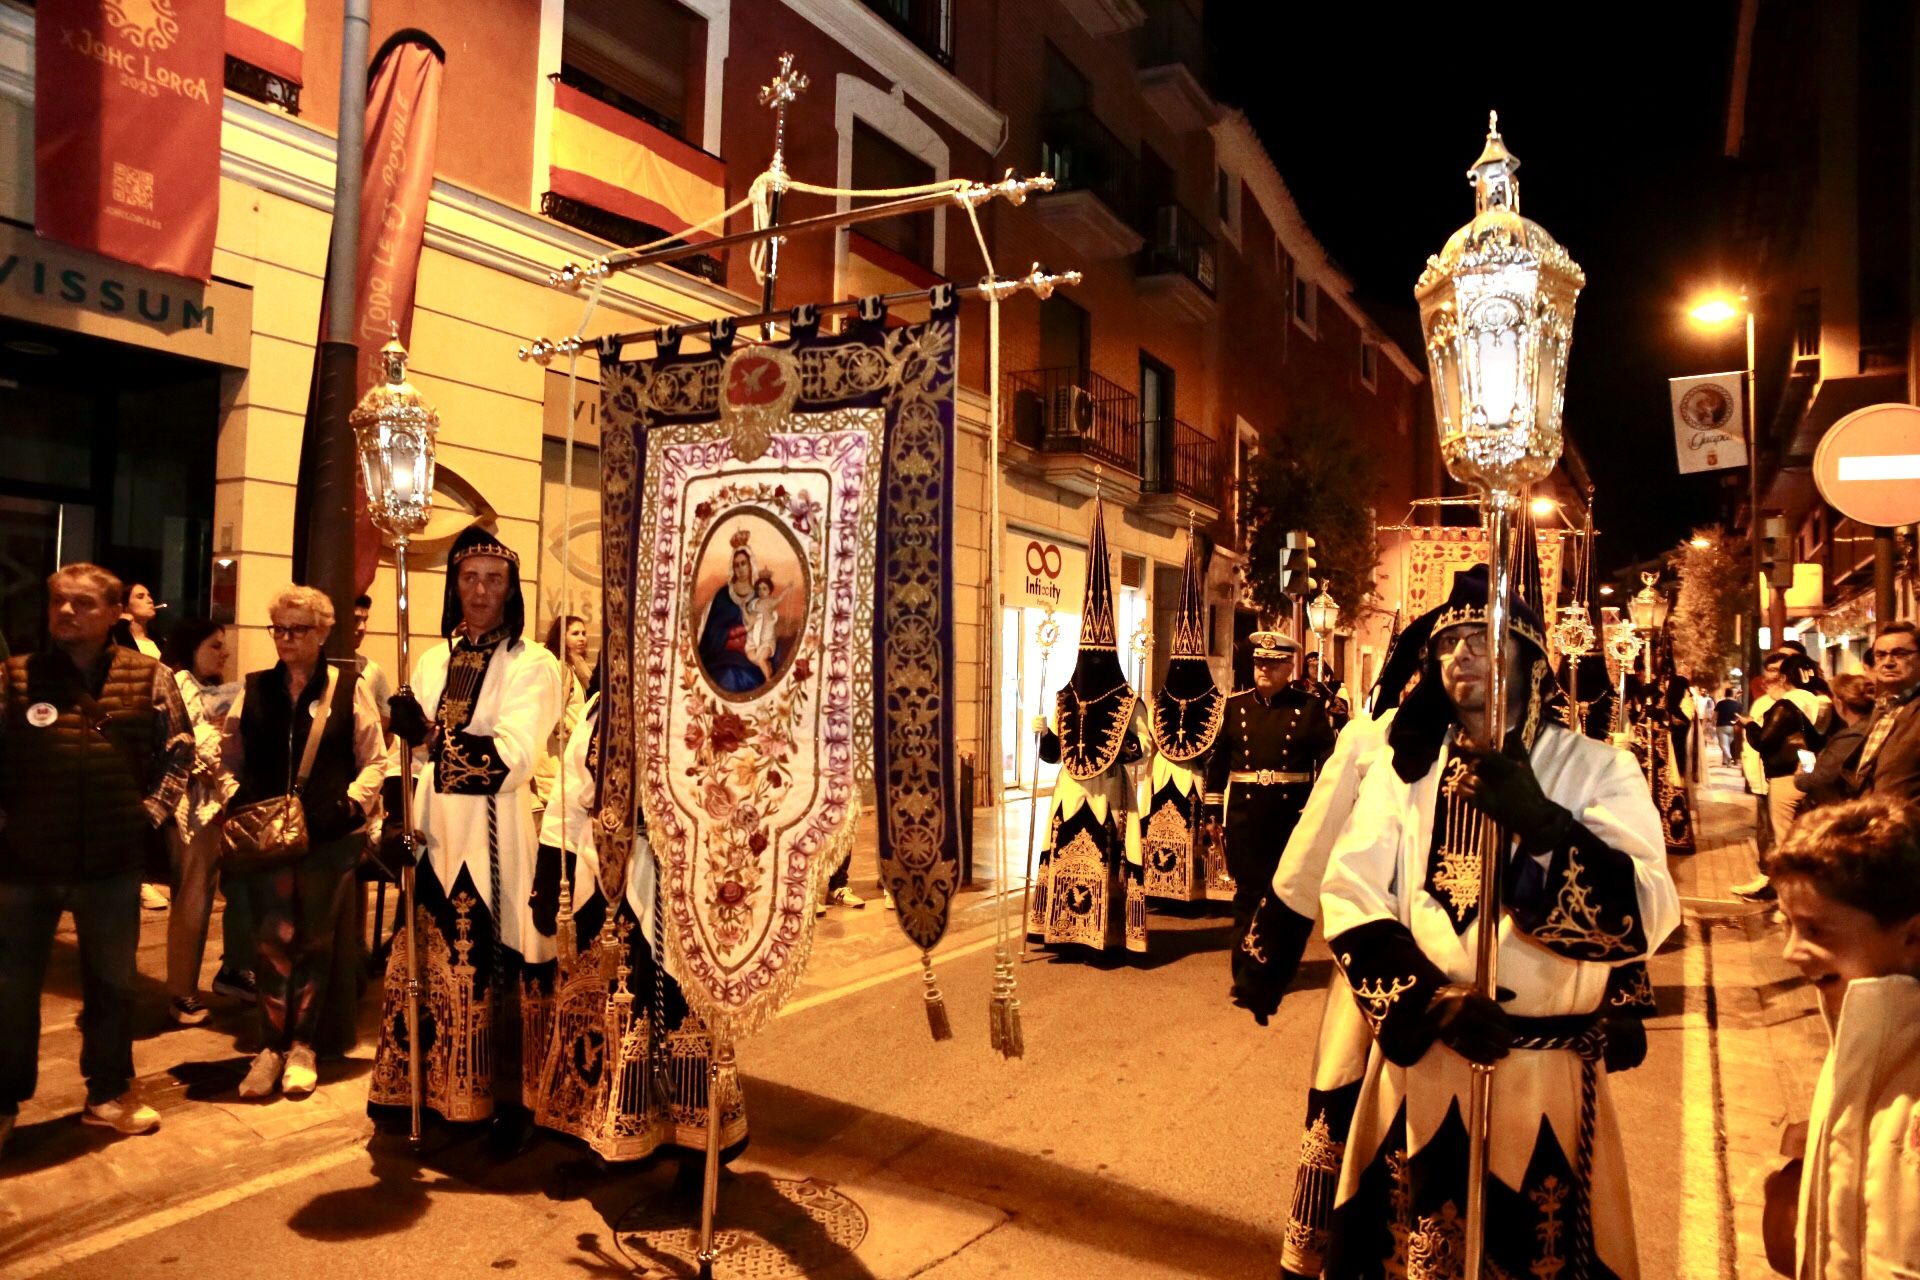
x=886 y=896
x=264 y=1076
x=125 y=1114
x=153 y=897
x=845 y=897
x=301 y=1073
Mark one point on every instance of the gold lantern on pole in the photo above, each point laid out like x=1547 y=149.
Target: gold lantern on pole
x=393 y=431
x=1496 y=309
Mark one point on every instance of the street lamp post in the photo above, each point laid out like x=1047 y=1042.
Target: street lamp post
x=1713 y=312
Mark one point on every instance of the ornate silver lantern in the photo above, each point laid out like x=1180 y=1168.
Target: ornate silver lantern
x=1649 y=606
x=1496 y=306
x=394 y=430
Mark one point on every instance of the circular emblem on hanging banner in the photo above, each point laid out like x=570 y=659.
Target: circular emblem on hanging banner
x=42 y=714
x=758 y=386
x=1868 y=463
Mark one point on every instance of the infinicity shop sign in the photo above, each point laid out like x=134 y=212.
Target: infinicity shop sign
x=1042 y=572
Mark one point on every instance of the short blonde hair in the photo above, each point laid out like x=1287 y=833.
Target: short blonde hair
x=305 y=600
x=104 y=580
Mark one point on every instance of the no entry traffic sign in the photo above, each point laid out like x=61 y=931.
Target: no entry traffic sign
x=1867 y=466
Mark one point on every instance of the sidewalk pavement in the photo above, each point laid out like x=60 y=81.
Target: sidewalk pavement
x=1753 y=1017
x=64 y=1180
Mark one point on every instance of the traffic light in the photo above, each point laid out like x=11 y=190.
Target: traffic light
x=1776 y=552
x=1299 y=571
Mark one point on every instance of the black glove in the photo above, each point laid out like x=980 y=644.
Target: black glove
x=405 y=720
x=545 y=898
x=1626 y=1043
x=1505 y=790
x=1469 y=1023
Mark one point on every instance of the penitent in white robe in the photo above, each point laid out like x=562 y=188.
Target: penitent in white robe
x=518 y=705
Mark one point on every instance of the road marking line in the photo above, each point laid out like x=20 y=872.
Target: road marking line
x=819 y=998
x=126 y=1232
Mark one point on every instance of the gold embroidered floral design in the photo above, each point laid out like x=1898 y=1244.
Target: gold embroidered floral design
x=1575 y=918
x=1638 y=995
x=1549 y=1197
x=1377 y=997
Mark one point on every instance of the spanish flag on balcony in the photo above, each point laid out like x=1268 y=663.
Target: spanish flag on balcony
x=606 y=158
x=874 y=268
x=269 y=34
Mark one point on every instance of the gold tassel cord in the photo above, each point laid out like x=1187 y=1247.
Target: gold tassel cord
x=1005 y=1034
x=937 y=1020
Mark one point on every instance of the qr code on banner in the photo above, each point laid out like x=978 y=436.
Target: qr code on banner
x=132 y=187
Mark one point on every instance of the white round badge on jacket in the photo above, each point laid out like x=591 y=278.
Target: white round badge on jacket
x=42 y=714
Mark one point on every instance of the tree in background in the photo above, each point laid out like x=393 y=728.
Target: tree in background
x=1312 y=474
x=1713 y=593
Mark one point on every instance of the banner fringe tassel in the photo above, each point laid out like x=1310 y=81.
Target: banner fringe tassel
x=937 y=1020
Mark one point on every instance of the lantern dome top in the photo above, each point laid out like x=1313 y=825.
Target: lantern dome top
x=1498 y=235
x=394 y=398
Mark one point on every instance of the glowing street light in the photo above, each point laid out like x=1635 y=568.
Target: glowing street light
x=1700 y=544
x=1715 y=310
x=1543 y=507
x=1605 y=590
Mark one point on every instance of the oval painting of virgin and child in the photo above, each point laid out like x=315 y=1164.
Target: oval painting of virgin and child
x=750 y=595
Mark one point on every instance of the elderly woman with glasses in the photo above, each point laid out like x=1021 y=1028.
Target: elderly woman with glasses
x=263 y=745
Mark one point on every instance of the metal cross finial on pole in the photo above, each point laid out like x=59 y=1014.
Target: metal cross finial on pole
x=778 y=94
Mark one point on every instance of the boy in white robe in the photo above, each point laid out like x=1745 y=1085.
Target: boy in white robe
x=1848 y=876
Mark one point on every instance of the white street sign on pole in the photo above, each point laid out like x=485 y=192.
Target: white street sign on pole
x=1707 y=422
x=1866 y=464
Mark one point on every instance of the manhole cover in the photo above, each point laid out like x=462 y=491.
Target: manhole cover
x=766 y=1229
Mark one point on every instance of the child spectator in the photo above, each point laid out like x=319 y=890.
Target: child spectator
x=1848 y=876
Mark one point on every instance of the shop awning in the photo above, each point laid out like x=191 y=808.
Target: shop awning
x=614 y=161
x=270 y=34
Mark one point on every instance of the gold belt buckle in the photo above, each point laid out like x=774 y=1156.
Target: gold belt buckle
x=1266 y=777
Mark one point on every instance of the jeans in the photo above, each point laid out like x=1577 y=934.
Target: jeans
x=296 y=907
x=196 y=869
x=1729 y=746
x=106 y=916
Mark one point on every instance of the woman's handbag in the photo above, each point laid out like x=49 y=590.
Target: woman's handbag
x=272 y=833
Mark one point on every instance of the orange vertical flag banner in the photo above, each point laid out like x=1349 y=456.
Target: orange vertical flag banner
x=403 y=118
x=126 y=124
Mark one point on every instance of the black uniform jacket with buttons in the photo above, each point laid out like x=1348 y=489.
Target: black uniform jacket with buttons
x=1290 y=733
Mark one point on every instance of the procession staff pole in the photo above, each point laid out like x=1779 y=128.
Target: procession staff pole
x=1501 y=508
x=1048 y=633
x=414 y=1084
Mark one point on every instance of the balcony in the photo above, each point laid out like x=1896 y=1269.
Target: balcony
x=1185 y=478
x=927 y=23
x=1103 y=18
x=1096 y=186
x=1176 y=66
x=1178 y=268
x=1072 y=423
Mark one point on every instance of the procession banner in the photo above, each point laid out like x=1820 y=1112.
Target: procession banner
x=126 y=129
x=777 y=550
x=1434 y=555
x=1707 y=421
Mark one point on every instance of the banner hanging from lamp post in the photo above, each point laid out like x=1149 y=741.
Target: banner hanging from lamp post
x=1709 y=428
x=126 y=129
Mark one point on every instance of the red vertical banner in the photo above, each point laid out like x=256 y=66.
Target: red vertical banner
x=126 y=127
x=403 y=119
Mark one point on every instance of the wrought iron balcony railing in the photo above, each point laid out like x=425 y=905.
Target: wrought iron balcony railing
x=1070 y=410
x=1188 y=465
x=1178 y=244
x=1083 y=154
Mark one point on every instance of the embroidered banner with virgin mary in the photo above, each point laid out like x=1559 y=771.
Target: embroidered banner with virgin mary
x=778 y=547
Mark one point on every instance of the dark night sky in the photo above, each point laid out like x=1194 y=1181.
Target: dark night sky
x=1618 y=114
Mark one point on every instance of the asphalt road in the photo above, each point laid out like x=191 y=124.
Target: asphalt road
x=1149 y=1131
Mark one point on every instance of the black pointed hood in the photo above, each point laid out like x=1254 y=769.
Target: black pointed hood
x=1188 y=705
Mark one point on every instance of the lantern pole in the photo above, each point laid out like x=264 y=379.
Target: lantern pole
x=392 y=418
x=1496 y=306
